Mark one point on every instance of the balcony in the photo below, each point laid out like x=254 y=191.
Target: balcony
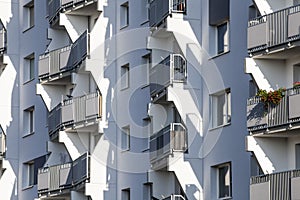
x=165 y=143
x=80 y=7
x=76 y=112
x=160 y=10
x=174 y=197
x=170 y=70
x=60 y=179
x=274 y=118
x=277 y=186
x=274 y=31
x=56 y=64
x=2 y=40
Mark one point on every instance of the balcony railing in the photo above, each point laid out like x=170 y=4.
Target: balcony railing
x=175 y=197
x=2 y=40
x=170 y=139
x=56 y=6
x=277 y=186
x=159 y=10
x=280 y=27
x=286 y=113
x=65 y=59
x=171 y=69
x=2 y=143
x=77 y=110
x=66 y=176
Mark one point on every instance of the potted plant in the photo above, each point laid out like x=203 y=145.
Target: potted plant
x=271 y=97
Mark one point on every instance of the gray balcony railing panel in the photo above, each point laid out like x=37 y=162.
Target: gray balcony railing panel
x=92 y=105
x=67 y=111
x=79 y=51
x=53 y=8
x=63 y=57
x=54 y=177
x=44 y=65
x=260 y=191
x=167 y=140
x=294 y=108
x=257 y=35
x=54 y=119
x=293 y=25
x=65 y=175
x=65 y=2
x=295 y=185
x=256 y=113
x=80 y=169
x=43 y=179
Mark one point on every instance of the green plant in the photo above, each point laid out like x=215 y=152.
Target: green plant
x=271 y=97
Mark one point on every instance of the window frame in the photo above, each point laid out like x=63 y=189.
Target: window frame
x=124 y=15
x=29 y=121
x=125 y=76
x=29 y=68
x=215 y=110
x=126 y=192
x=125 y=134
x=225 y=45
x=29 y=15
x=230 y=180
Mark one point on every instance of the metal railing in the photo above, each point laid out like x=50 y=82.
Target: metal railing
x=274 y=29
x=2 y=40
x=56 y=6
x=170 y=139
x=75 y=110
x=262 y=115
x=279 y=183
x=55 y=178
x=172 y=69
x=64 y=59
x=159 y=10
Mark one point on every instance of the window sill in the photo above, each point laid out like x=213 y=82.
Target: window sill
x=220 y=54
x=144 y=22
x=28 y=134
x=26 y=82
x=27 y=187
x=29 y=28
x=123 y=27
x=220 y=126
x=225 y=198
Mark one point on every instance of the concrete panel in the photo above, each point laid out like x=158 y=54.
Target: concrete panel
x=260 y=191
x=257 y=35
x=294 y=109
x=293 y=24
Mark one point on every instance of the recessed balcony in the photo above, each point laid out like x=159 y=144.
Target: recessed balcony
x=57 y=64
x=282 y=185
x=274 y=32
x=61 y=179
x=274 y=118
x=160 y=10
x=165 y=143
x=79 y=112
x=170 y=70
x=76 y=7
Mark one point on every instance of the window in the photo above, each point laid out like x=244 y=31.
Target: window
x=124 y=15
x=29 y=174
x=255 y=169
x=29 y=15
x=297 y=155
x=29 y=68
x=147 y=66
x=222 y=38
x=125 y=138
x=147 y=191
x=29 y=121
x=126 y=194
x=125 y=76
x=224 y=181
x=221 y=108
x=253 y=12
x=144 y=10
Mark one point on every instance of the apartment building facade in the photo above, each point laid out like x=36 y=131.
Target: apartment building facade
x=272 y=115
x=124 y=99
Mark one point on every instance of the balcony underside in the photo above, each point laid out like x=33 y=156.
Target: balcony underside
x=62 y=78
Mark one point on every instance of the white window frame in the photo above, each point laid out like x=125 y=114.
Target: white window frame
x=124 y=15
x=29 y=15
x=28 y=174
x=221 y=118
x=125 y=76
x=29 y=121
x=225 y=44
x=125 y=138
x=229 y=181
x=29 y=68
